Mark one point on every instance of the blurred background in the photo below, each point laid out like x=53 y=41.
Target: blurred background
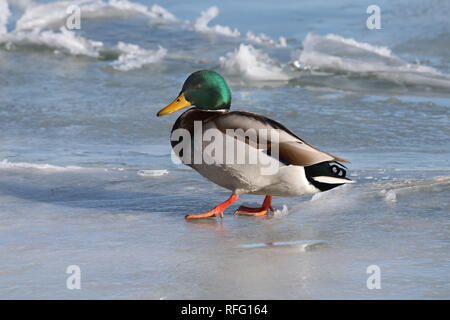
x=86 y=176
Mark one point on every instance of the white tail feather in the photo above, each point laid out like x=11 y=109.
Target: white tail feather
x=332 y=180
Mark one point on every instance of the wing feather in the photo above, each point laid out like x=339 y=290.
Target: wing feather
x=291 y=149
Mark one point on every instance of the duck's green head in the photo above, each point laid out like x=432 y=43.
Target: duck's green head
x=204 y=89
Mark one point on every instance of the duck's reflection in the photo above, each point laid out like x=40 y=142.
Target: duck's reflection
x=208 y=224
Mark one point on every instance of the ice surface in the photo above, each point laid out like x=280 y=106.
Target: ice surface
x=333 y=52
x=201 y=24
x=4 y=15
x=86 y=176
x=134 y=57
x=38 y=15
x=153 y=173
x=128 y=235
x=253 y=64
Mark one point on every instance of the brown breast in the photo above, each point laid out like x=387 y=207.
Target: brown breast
x=186 y=120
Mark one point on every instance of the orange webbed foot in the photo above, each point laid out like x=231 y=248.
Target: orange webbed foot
x=216 y=211
x=256 y=212
x=210 y=214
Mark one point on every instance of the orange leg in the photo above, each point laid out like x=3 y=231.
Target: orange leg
x=216 y=211
x=256 y=211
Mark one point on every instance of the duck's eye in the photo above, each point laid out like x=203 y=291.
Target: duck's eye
x=178 y=100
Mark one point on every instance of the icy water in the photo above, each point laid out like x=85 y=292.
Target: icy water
x=86 y=176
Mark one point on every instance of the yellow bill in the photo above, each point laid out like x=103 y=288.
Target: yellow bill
x=178 y=104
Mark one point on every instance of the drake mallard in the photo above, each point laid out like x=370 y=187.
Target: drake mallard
x=301 y=168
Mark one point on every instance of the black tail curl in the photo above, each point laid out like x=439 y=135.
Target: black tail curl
x=329 y=169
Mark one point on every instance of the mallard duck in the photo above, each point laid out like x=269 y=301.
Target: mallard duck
x=300 y=168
